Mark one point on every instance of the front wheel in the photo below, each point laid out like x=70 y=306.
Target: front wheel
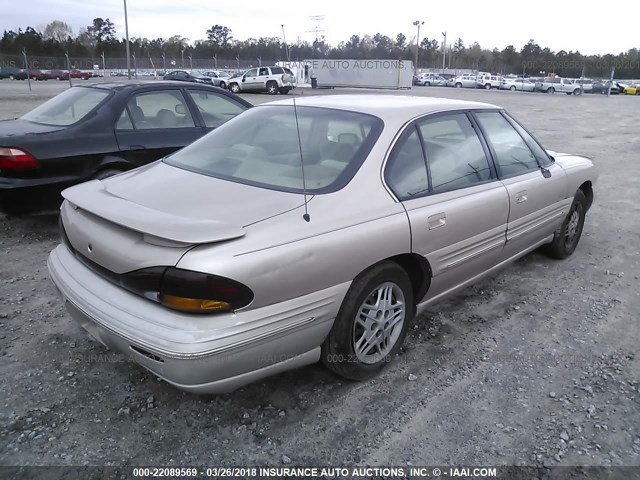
x=458 y=85
x=551 y=90
x=371 y=323
x=512 y=88
x=566 y=238
x=487 y=86
x=235 y=88
x=576 y=91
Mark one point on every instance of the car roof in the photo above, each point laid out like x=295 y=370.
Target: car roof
x=134 y=85
x=385 y=105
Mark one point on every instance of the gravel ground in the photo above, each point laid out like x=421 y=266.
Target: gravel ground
x=536 y=366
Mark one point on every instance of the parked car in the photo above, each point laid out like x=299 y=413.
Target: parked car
x=218 y=78
x=265 y=257
x=631 y=89
x=488 y=81
x=9 y=72
x=431 y=79
x=519 y=84
x=76 y=74
x=585 y=83
x=98 y=131
x=55 y=74
x=558 y=84
x=33 y=74
x=603 y=86
x=263 y=79
x=193 y=76
x=467 y=80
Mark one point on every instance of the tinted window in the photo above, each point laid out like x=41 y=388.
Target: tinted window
x=264 y=71
x=277 y=70
x=455 y=155
x=406 y=173
x=215 y=109
x=162 y=109
x=513 y=156
x=262 y=147
x=67 y=108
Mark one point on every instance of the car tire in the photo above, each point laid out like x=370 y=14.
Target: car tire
x=551 y=90
x=272 y=88
x=576 y=91
x=223 y=85
x=345 y=350
x=11 y=77
x=566 y=238
x=458 y=85
x=487 y=86
x=512 y=88
x=106 y=173
x=235 y=88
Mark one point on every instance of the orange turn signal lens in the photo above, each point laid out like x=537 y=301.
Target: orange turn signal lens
x=194 y=304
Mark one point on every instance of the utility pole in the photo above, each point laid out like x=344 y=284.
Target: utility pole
x=444 y=50
x=104 y=68
x=417 y=23
x=68 y=68
x=26 y=66
x=286 y=47
x=190 y=62
x=126 y=31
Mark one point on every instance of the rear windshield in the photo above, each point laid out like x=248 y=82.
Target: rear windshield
x=261 y=147
x=67 y=108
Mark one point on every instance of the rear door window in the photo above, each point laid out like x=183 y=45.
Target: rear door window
x=158 y=110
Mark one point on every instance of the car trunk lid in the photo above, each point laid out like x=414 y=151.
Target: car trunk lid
x=153 y=215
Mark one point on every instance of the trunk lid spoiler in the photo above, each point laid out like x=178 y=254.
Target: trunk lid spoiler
x=94 y=198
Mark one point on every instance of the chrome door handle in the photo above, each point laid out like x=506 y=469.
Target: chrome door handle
x=436 y=221
x=521 y=197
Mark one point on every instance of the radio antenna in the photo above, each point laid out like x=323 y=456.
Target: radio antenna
x=304 y=182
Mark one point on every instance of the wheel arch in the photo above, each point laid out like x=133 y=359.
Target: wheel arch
x=587 y=189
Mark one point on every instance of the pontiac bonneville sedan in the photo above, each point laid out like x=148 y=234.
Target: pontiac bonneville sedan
x=308 y=231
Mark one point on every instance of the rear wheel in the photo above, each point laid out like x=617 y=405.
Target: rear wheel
x=551 y=90
x=272 y=88
x=223 y=85
x=512 y=88
x=487 y=86
x=576 y=91
x=235 y=88
x=458 y=85
x=566 y=238
x=371 y=324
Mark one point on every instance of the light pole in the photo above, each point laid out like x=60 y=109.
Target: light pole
x=164 y=64
x=444 y=50
x=190 y=62
x=417 y=23
x=126 y=32
x=286 y=47
x=182 y=55
x=215 y=61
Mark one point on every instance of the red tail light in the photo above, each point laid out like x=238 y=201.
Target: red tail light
x=16 y=159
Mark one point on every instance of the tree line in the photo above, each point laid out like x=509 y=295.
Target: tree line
x=57 y=38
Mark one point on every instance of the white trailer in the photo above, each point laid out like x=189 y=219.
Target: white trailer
x=362 y=73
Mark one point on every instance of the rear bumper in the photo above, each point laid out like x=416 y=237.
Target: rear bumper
x=196 y=353
x=19 y=195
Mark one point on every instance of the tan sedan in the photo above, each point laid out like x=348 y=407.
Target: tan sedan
x=308 y=231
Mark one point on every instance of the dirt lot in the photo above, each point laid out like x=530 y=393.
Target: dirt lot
x=536 y=366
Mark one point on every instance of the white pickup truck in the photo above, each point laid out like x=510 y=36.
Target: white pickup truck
x=557 y=84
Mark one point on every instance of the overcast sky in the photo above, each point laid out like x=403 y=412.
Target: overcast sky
x=558 y=24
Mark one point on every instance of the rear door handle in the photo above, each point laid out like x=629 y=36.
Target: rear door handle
x=436 y=221
x=521 y=197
